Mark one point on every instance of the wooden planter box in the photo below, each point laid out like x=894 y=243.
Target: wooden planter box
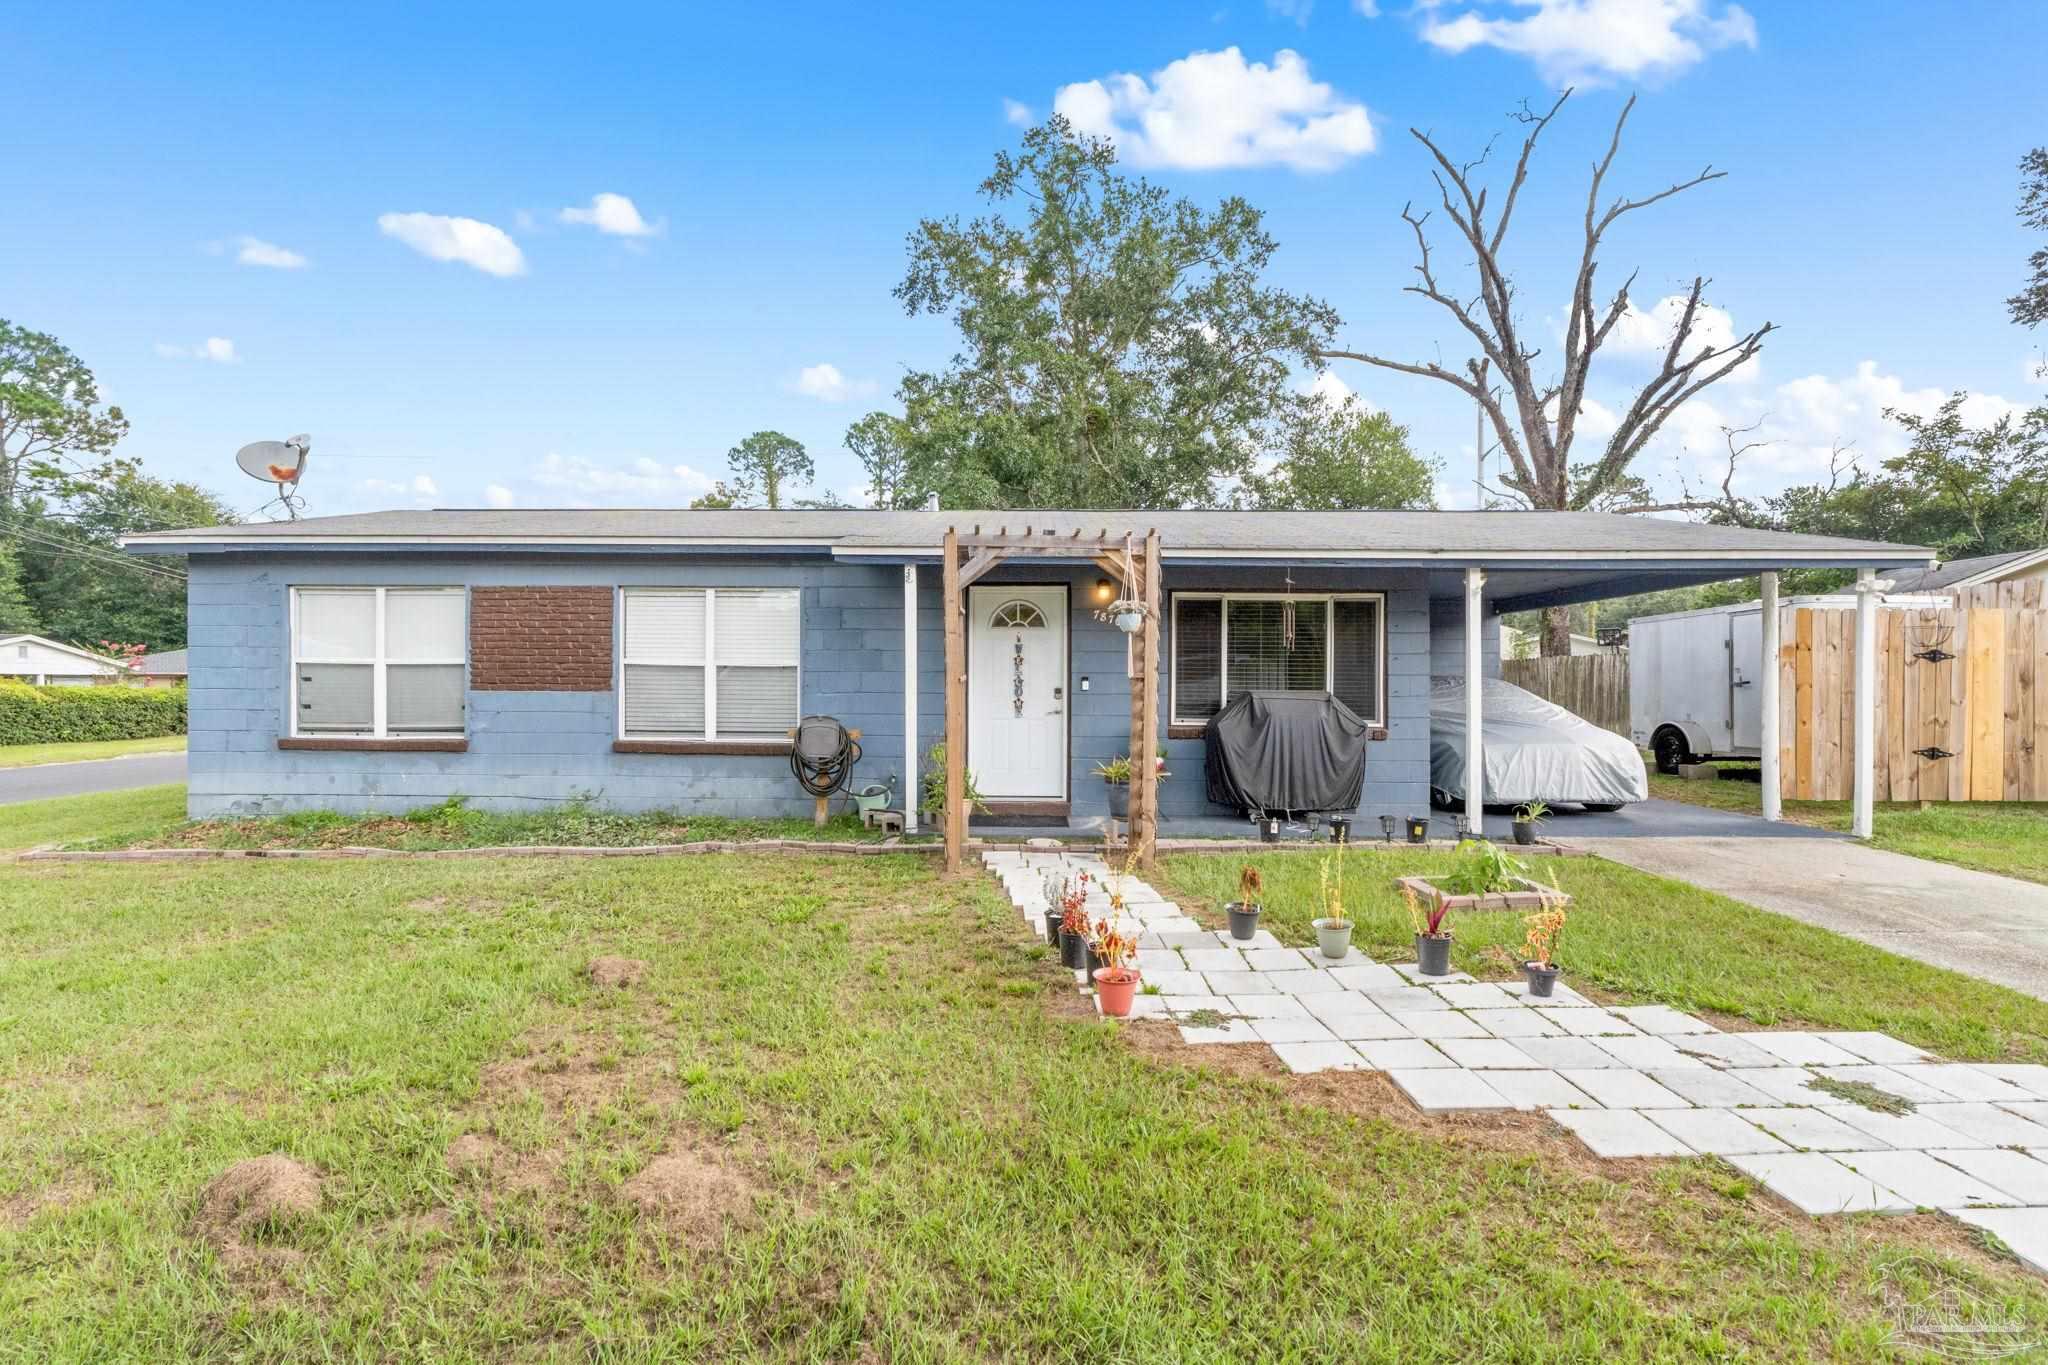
x=1532 y=896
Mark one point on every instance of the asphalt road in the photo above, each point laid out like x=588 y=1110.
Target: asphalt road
x=95 y=775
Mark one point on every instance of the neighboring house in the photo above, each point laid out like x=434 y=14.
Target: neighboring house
x=32 y=659
x=2015 y=566
x=655 y=659
x=166 y=668
x=1527 y=644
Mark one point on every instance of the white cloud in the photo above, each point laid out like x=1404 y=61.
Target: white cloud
x=1210 y=110
x=612 y=214
x=1017 y=113
x=1800 y=424
x=1648 y=331
x=441 y=238
x=219 y=350
x=825 y=383
x=640 y=480
x=1296 y=10
x=256 y=251
x=1587 y=41
x=420 y=488
x=497 y=495
x=1368 y=9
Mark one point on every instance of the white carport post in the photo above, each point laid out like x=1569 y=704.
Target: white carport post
x=1866 y=702
x=1475 y=766
x=911 y=788
x=1767 y=697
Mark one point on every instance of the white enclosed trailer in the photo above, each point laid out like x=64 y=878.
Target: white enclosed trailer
x=1693 y=676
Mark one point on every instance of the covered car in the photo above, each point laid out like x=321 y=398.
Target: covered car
x=1534 y=750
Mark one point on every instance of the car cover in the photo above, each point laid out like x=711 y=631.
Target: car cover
x=1534 y=750
x=1286 y=753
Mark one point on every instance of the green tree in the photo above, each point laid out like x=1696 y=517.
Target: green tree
x=721 y=498
x=1342 y=459
x=881 y=443
x=17 y=613
x=2030 y=306
x=80 y=583
x=1118 y=348
x=56 y=436
x=764 y=463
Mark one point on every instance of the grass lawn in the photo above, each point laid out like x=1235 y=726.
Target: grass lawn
x=1643 y=939
x=27 y=755
x=862 y=1119
x=112 y=819
x=2010 y=837
x=450 y=824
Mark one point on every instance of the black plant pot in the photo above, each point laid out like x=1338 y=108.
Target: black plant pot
x=1433 y=954
x=1542 y=980
x=1119 y=800
x=1525 y=831
x=1244 y=920
x=1052 y=926
x=1269 y=829
x=1073 y=950
x=1094 y=961
x=1418 y=829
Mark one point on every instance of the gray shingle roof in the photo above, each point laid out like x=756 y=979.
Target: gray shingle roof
x=1919 y=578
x=169 y=663
x=1183 y=532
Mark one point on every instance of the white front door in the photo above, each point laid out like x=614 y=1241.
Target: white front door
x=1017 y=691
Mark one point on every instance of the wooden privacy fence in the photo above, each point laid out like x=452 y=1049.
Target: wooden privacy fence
x=1959 y=711
x=1593 y=687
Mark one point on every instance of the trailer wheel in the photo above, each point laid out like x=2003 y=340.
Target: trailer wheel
x=1670 y=750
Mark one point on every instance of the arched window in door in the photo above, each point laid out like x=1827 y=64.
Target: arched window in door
x=1017 y=616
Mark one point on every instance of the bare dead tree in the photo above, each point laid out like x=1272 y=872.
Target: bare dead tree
x=1535 y=421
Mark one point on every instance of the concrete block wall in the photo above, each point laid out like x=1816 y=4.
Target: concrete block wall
x=538 y=748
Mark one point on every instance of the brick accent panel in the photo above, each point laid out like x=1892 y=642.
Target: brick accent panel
x=540 y=639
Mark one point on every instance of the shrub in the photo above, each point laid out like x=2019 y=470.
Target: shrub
x=65 y=715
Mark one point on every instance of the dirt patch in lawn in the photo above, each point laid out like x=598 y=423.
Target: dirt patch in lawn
x=616 y=973
x=18 y=1208
x=261 y=1191
x=693 y=1193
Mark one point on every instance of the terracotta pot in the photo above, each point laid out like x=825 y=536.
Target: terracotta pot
x=1116 y=988
x=1433 y=954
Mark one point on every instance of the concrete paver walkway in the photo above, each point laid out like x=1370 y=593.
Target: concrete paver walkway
x=1987 y=926
x=1633 y=1081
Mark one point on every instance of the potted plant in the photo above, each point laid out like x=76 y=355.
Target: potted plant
x=1116 y=980
x=1244 y=911
x=1432 y=940
x=1057 y=891
x=1333 y=929
x=1074 y=925
x=1117 y=774
x=1528 y=816
x=1539 y=944
x=934 y=802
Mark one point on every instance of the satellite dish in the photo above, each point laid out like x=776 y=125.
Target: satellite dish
x=278 y=462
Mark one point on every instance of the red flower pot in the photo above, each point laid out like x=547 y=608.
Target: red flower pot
x=1116 y=988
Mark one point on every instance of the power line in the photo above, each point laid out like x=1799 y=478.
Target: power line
x=92 y=554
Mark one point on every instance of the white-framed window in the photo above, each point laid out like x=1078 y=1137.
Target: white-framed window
x=379 y=663
x=709 y=663
x=1227 y=643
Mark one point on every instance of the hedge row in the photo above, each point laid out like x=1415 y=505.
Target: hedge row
x=63 y=715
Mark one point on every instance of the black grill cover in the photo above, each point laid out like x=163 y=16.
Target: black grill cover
x=1286 y=753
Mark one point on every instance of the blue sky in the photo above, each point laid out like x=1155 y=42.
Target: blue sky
x=224 y=212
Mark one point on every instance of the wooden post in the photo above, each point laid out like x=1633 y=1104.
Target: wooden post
x=956 y=705
x=1145 y=733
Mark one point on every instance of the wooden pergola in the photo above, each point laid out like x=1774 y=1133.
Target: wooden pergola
x=1134 y=562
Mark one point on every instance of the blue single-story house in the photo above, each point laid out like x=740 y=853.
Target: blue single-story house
x=654 y=659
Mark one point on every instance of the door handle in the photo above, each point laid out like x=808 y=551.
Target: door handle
x=1743 y=682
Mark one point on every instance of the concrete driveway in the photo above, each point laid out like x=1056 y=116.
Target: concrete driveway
x=1991 y=927
x=95 y=775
